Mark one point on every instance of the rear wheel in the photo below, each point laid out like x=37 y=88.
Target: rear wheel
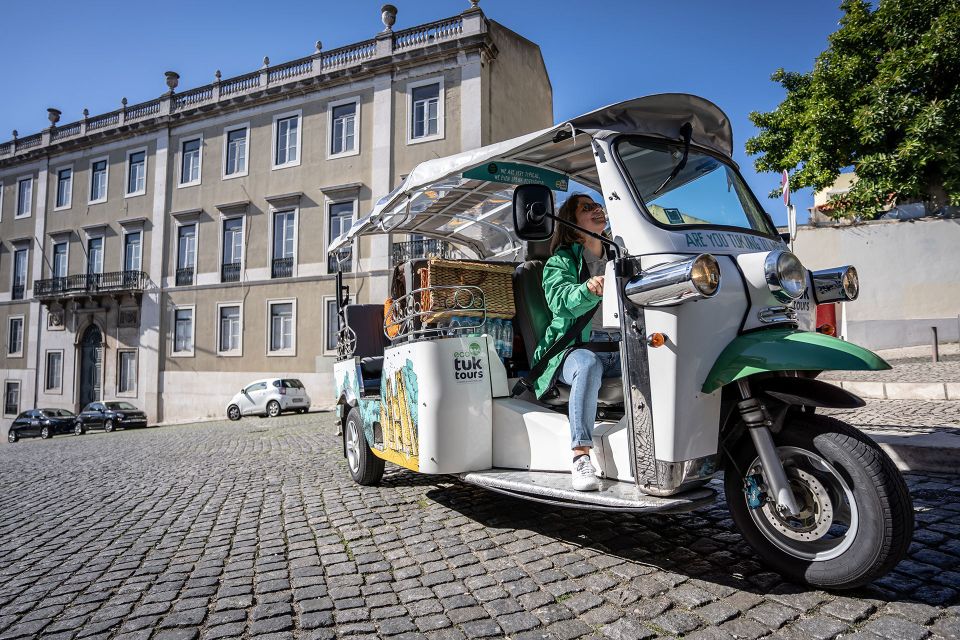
x=12 y=436
x=233 y=412
x=108 y=426
x=365 y=468
x=273 y=408
x=45 y=433
x=856 y=517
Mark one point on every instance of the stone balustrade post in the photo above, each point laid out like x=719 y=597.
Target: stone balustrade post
x=216 y=86
x=265 y=72
x=123 y=112
x=473 y=21
x=83 y=122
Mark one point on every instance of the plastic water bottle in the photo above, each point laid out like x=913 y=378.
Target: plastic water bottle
x=507 y=339
x=497 y=334
x=453 y=326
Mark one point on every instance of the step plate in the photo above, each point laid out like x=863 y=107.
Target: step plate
x=554 y=487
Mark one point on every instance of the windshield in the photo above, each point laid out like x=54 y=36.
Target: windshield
x=704 y=192
x=123 y=406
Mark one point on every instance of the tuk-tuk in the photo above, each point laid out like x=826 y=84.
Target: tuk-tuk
x=718 y=349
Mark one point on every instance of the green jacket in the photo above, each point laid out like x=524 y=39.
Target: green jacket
x=568 y=299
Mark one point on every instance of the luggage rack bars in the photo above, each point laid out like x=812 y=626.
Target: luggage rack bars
x=418 y=314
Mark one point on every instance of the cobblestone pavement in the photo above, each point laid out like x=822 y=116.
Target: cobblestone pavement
x=903 y=415
x=912 y=364
x=253 y=529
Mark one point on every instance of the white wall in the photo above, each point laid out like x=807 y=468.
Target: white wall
x=909 y=277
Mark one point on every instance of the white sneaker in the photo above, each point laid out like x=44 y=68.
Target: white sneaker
x=584 y=475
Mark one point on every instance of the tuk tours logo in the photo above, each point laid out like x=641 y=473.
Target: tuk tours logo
x=468 y=365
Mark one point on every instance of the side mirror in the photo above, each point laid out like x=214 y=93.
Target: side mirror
x=532 y=208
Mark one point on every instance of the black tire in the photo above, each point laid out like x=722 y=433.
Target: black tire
x=12 y=436
x=365 y=468
x=108 y=425
x=78 y=429
x=233 y=412
x=45 y=433
x=848 y=478
x=273 y=409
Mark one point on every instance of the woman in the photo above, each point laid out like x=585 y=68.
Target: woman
x=573 y=285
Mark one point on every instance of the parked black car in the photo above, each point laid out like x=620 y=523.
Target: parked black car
x=43 y=423
x=108 y=416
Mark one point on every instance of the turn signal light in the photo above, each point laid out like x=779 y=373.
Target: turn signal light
x=827 y=329
x=656 y=340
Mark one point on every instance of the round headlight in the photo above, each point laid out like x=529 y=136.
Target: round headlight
x=786 y=277
x=851 y=283
x=705 y=274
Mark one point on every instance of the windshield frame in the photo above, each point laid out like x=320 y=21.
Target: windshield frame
x=727 y=162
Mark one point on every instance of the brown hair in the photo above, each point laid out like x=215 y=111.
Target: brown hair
x=564 y=236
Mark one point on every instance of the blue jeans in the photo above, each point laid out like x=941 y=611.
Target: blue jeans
x=583 y=370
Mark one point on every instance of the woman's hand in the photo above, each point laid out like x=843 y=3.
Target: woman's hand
x=595 y=285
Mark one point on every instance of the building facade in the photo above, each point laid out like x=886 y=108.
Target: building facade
x=173 y=251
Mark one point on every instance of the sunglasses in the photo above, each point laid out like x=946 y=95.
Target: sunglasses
x=590 y=206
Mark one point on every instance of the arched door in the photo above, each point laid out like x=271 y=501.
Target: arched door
x=91 y=365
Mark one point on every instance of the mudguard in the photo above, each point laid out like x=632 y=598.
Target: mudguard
x=788 y=350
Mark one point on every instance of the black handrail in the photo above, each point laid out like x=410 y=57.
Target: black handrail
x=230 y=272
x=184 y=276
x=91 y=282
x=282 y=268
x=425 y=248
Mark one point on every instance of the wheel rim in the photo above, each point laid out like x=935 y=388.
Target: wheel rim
x=353 y=446
x=11 y=437
x=108 y=425
x=45 y=433
x=829 y=517
x=274 y=409
x=77 y=429
x=233 y=413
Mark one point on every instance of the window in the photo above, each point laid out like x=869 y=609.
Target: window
x=333 y=328
x=235 y=152
x=284 y=227
x=183 y=331
x=126 y=371
x=232 y=250
x=19 y=273
x=282 y=336
x=95 y=255
x=15 y=336
x=286 y=141
x=11 y=397
x=344 y=118
x=60 y=260
x=425 y=106
x=54 y=371
x=98 y=181
x=64 y=188
x=341 y=217
x=229 y=327
x=132 y=253
x=24 y=197
x=137 y=173
x=190 y=162
x=186 y=253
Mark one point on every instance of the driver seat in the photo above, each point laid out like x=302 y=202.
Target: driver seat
x=533 y=318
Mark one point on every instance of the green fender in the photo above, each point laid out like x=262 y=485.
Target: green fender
x=788 y=350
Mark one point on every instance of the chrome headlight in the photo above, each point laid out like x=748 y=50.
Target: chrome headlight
x=675 y=282
x=839 y=284
x=786 y=277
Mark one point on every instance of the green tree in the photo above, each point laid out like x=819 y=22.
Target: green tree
x=883 y=98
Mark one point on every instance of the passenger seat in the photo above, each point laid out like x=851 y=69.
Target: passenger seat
x=366 y=320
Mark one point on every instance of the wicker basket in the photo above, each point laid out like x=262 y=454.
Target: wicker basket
x=494 y=279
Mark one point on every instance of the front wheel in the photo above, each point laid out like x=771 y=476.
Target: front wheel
x=856 y=517
x=108 y=426
x=365 y=468
x=78 y=429
x=45 y=433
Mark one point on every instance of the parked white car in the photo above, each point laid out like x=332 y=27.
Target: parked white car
x=269 y=397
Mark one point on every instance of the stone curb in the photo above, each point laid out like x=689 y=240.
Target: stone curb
x=937 y=452
x=901 y=390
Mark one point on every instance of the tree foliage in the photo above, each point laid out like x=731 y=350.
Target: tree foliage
x=884 y=98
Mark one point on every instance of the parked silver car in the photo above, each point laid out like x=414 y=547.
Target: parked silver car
x=269 y=397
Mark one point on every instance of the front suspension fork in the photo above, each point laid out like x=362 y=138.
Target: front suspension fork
x=758 y=423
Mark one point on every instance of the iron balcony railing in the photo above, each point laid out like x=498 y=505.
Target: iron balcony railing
x=230 y=272
x=81 y=283
x=342 y=259
x=282 y=268
x=184 y=276
x=426 y=248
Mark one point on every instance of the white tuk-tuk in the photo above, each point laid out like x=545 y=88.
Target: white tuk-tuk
x=719 y=360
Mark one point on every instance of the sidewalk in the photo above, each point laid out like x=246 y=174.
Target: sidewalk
x=913 y=376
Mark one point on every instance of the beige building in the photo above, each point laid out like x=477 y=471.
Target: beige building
x=173 y=251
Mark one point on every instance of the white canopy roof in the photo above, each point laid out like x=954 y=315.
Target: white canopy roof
x=435 y=200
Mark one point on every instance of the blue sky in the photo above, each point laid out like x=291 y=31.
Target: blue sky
x=66 y=56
